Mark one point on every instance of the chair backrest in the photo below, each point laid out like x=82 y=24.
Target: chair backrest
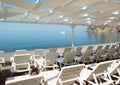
x=90 y=48
x=71 y=72
x=66 y=50
x=21 y=61
x=78 y=50
x=24 y=51
x=1 y=53
x=113 y=46
x=69 y=57
x=51 y=58
x=107 y=47
x=24 y=80
x=112 y=51
x=99 y=52
x=99 y=47
x=30 y=52
x=86 y=55
x=22 y=58
x=38 y=53
x=52 y=49
x=100 y=68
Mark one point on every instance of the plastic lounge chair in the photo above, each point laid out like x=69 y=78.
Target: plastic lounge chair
x=106 y=48
x=66 y=50
x=114 y=72
x=52 y=49
x=86 y=57
x=98 y=48
x=100 y=75
x=51 y=60
x=24 y=80
x=78 y=51
x=112 y=54
x=38 y=53
x=67 y=76
x=21 y=63
x=68 y=59
x=99 y=55
x=89 y=48
x=113 y=46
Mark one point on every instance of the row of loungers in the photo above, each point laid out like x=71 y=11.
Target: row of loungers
x=78 y=51
x=103 y=73
x=52 y=57
x=68 y=57
x=24 y=60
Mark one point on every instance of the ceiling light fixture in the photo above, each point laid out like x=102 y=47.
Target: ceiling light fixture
x=111 y=18
x=115 y=12
x=85 y=15
x=61 y=16
x=66 y=20
x=51 y=11
x=84 y=7
x=109 y=21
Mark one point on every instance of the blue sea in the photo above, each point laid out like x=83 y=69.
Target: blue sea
x=14 y=36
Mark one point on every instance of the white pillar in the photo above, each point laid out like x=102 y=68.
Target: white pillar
x=116 y=37
x=72 y=26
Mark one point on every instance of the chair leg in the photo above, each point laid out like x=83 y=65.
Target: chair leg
x=95 y=79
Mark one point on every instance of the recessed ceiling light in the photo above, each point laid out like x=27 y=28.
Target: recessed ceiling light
x=84 y=7
x=61 y=16
x=115 y=12
x=1 y=19
x=87 y=19
x=66 y=20
x=37 y=1
x=111 y=18
x=26 y=13
x=85 y=15
x=102 y=11
x=109 y=21
x=38 y=18
x=51 y=11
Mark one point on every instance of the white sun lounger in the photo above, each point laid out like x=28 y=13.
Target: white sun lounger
x=51 y=60
x=67 y=76
x=24 y=80
x=21 y=63
x=100 y=74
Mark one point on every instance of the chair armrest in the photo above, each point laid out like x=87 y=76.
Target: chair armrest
x=11 y=59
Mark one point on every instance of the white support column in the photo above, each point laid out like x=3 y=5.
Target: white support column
x=116 y=35
x=72 y=26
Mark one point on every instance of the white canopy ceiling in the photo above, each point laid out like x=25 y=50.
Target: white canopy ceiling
x=82 y=12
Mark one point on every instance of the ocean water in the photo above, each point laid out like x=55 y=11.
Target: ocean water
x=14 y=36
